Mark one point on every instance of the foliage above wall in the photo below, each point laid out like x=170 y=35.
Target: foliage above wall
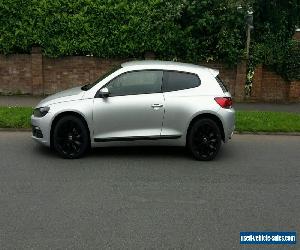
x=189 y=30
x=274 y=26
x=186 y=30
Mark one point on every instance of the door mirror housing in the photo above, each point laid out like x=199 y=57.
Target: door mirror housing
x=103 y=93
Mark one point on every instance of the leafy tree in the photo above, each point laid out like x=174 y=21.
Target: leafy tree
x=275 y=22
x=216 y=30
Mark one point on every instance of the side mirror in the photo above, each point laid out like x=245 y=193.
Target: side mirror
x=104 y=93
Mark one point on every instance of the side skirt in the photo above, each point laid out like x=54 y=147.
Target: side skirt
x=136 y=138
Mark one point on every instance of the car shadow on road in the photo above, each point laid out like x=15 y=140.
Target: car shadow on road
x=147 y=152
x=138 y=152
x=45 y=151
x=124 y=152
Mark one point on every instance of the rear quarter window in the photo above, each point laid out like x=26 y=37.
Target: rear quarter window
x=175 y=80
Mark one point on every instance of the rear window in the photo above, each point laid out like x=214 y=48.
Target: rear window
x=222 y=84
x=174 y=80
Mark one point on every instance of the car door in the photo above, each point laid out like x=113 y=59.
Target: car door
x=133 y=110
x=181 y=98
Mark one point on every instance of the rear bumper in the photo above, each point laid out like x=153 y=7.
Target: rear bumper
x=228 y=120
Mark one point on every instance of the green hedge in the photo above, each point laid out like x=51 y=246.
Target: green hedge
x=274 y=26
x=189 y=30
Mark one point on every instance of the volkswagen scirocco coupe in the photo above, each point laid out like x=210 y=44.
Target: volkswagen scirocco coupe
x=140 y=103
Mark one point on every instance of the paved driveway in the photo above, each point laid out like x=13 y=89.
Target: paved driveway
x=155 y=198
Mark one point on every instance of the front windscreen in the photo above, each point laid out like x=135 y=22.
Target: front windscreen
x=92 y=84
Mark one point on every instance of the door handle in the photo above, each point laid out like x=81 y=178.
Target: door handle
x=157 y=106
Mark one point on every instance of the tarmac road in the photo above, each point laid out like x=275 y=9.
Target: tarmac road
x=137 y=198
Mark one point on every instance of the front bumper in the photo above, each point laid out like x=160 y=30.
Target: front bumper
x=41 y=129
x=37 y=132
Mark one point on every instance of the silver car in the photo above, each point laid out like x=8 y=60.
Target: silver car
x=139 y=103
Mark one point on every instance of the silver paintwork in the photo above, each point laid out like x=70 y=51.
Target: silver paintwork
x=158 y=114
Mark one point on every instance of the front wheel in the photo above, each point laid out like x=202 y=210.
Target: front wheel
x=204 y=140
x=70 y=137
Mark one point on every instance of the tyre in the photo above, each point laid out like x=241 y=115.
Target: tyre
x=71 y=138
x=204 y=139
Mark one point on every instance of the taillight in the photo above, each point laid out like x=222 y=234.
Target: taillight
x=224 y=102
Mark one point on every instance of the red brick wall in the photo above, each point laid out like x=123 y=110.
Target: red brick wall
x=36 y=74
x=39 y=75
x=297 y=35
x=268 y=86
x=294 y=91
x=66 y=72
x=15 y=74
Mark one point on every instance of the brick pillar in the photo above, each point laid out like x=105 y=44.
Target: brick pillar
x=294 y=91
x=37 y=71
x=241 y=72
x=257 y=83
x=297 y=35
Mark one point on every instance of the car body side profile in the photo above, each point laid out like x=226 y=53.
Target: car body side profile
x=139 y=103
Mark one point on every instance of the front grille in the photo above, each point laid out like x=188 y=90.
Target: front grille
x=36 y=132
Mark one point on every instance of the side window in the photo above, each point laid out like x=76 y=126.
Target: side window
x=136 y=82
x=175 y=80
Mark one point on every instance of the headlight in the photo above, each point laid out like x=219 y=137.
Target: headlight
x=40 y=112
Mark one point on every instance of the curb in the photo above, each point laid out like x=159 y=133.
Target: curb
x=15 y=129
x=267 y=133
x=235 y=132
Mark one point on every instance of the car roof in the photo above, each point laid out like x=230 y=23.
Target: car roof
x=168 y=65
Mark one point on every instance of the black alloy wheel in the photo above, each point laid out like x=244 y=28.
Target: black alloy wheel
x=204 y=139
x=70 y=137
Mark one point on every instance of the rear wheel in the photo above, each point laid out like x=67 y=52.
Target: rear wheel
x=204 y=139
x=70 y=137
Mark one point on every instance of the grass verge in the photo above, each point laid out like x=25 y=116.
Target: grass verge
x=15 y=117
x=266 y=121
x=246 y=121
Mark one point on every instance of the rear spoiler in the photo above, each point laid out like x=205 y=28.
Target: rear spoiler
x=214 y=72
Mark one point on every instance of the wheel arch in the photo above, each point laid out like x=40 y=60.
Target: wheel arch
x=211 y=116
x=61 y=115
